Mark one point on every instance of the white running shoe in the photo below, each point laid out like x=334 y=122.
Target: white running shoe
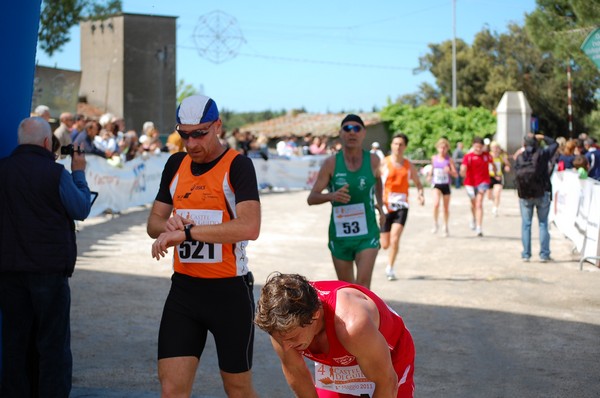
x=434 y=229
x=478 y=231
x=495 y=211
x=390 y=274
x=446 y=232
x=472 y=224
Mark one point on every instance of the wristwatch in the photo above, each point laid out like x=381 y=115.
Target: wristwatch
x=188 y=234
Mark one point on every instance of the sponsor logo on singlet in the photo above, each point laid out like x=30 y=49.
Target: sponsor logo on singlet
x=345 y=360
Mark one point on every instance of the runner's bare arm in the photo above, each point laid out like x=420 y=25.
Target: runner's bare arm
x=157 y=219
x=160 y=220
x=415 y=177
x=506 y=162
x=316 y=195
x=295 y=371
x=493 y=164
x=453 y=171
x=376 y=167
x=429 y=175
x=246 y=226
x=357 y=328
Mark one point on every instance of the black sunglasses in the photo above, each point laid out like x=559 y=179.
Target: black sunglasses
x=194 y=134
x=355 y=128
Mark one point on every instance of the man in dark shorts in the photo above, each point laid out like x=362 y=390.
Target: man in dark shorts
x=207 y=208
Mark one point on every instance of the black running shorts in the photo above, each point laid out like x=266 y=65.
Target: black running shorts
x=224 y=307
x=395 y=217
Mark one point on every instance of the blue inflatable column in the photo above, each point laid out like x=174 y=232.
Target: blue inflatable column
x=19 y=23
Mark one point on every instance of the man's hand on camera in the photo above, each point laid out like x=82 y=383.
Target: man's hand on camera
x=78 y=160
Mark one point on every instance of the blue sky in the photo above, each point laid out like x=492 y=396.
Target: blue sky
x=325 y=56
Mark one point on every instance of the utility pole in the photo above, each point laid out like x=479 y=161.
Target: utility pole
x=454 y=53
x=569 y=100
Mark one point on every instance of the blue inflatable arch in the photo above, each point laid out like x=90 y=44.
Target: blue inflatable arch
x=19 y=22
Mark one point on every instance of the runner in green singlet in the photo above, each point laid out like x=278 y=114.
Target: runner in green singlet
x=352 y=177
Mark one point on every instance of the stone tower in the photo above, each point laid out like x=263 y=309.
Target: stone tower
x=128 y=68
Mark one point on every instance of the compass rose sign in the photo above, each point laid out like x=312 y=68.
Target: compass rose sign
x=218 y=37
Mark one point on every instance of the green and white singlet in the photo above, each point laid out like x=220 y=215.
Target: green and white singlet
x=355 y=219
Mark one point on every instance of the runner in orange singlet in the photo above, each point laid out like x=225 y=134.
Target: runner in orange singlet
x=207 y=208
x=395 y=172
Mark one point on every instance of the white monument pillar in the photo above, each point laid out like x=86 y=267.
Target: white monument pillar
x=514 y=120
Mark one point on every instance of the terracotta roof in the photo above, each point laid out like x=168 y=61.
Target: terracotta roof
x=302 y=123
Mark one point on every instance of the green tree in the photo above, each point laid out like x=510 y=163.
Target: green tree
x=560 y=27
x=439 y=63
x=496 y=63
x=184 y=90
x=424 y=125
x=57 y=17
x=234 y=120
x=593 y=121
x=515 y=63
x=427 y=95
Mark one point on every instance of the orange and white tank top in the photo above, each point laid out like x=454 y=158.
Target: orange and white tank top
x=207 y=199
x=395 y=184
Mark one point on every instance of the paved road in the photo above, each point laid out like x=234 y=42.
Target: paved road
x=484 y=323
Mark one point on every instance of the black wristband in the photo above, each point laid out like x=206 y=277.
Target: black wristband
x=188 y=234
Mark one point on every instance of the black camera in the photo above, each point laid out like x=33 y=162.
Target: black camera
x=70 y=150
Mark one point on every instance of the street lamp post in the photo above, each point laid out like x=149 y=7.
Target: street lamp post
x=454 y=53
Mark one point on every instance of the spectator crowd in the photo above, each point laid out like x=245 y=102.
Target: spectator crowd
x=107 y=136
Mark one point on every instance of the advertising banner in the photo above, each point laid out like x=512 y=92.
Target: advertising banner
x=297 y=172
x=576 y=211
x=592 y=232
x=134 y=183
x=567 y=196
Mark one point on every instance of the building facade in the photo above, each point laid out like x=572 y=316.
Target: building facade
x=128 y=66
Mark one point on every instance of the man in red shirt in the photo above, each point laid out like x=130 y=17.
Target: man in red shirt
x=360 y=346
x=475 y=169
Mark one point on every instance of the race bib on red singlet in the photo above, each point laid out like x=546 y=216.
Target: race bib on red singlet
x=343 y=379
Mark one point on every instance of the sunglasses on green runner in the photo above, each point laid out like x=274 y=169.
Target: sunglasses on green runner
x=355 y=128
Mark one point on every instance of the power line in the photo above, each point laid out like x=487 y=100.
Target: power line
x=314 y=61
x=370 y=41
x=253 y=25
x=442 y=4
